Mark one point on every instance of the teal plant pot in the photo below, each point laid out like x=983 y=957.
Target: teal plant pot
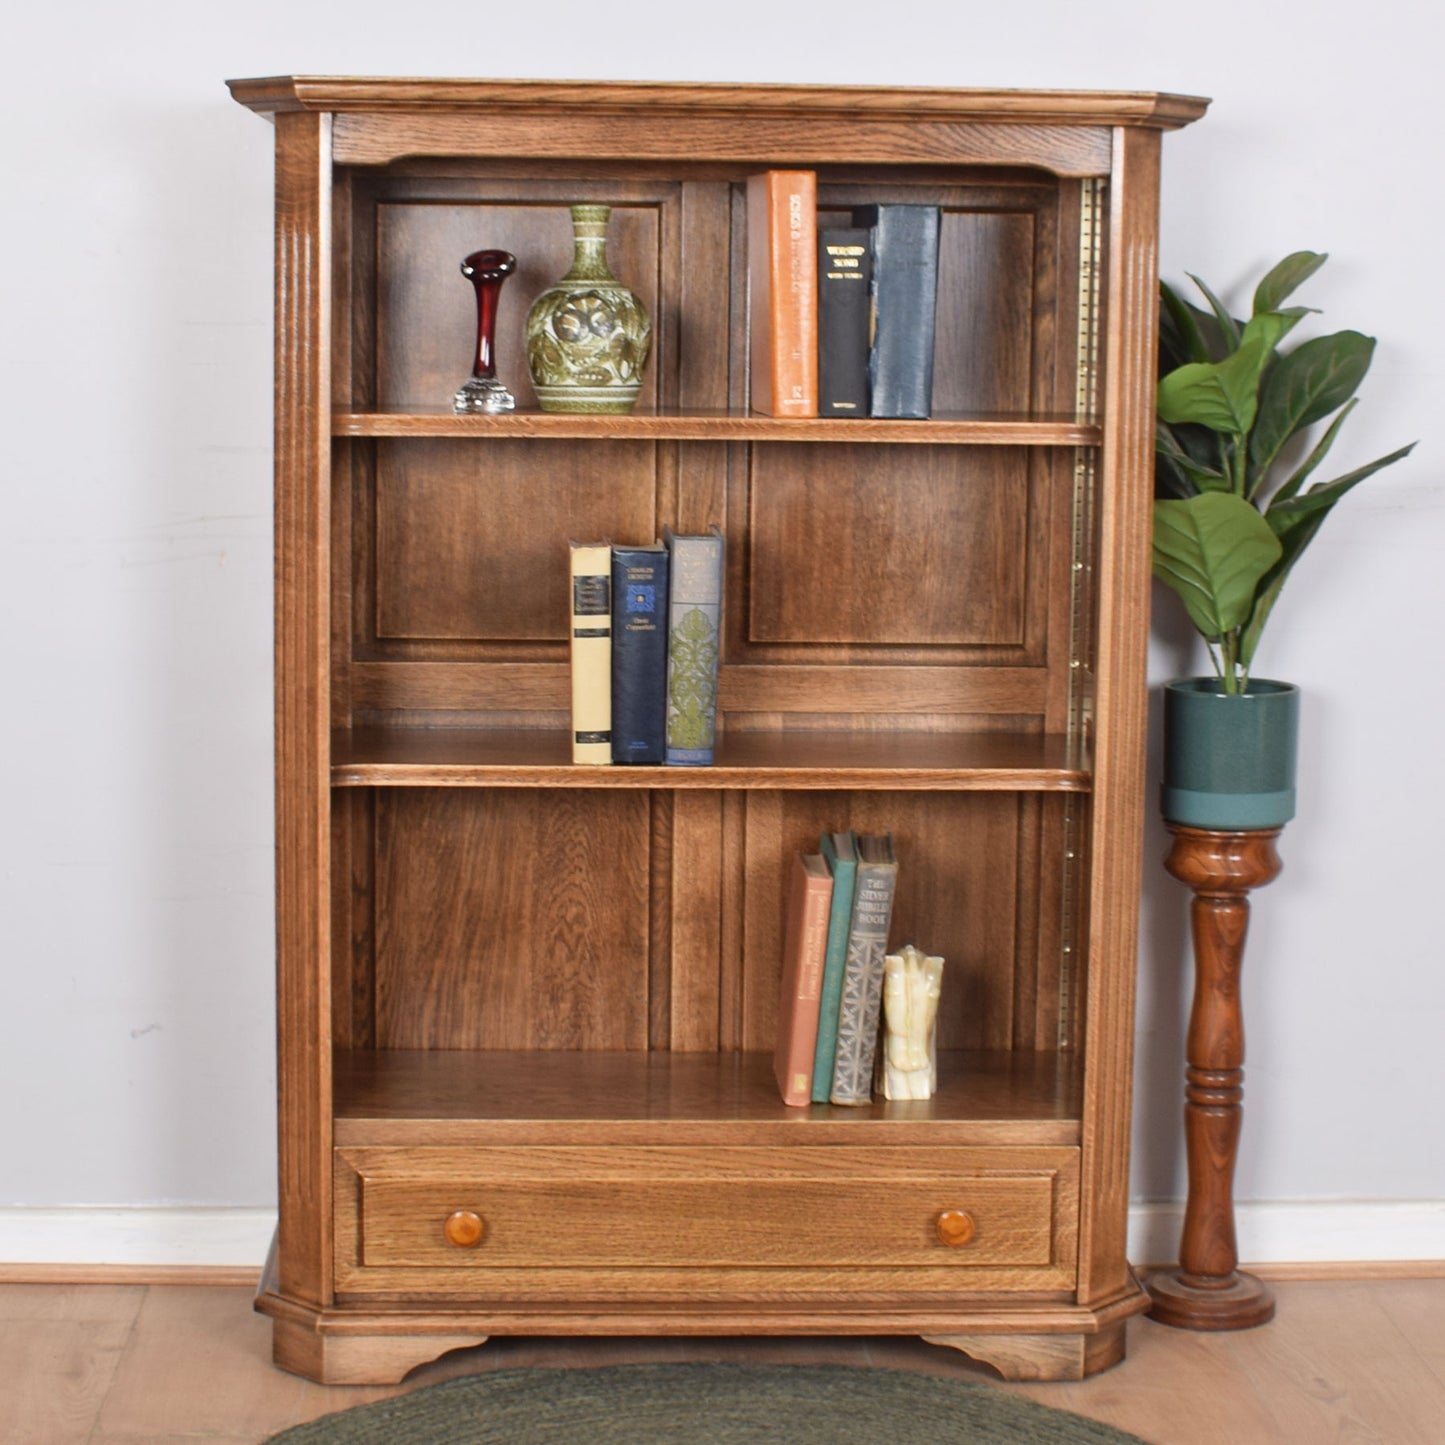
x=1230 y=759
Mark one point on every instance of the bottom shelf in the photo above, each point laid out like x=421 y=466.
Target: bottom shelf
x=405 y=1096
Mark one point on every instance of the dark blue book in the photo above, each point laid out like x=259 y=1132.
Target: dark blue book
x=639 y=653
x=905 y=297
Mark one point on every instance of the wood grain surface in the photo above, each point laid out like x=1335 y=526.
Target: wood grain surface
x=934 y=629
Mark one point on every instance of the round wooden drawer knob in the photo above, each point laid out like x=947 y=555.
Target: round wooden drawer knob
x=955 y=1227
x=465 y=1229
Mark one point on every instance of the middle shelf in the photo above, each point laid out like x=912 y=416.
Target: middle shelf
x=372 y=757
x=958 y=429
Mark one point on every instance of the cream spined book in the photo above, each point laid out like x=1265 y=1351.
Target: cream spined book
x=591 y=651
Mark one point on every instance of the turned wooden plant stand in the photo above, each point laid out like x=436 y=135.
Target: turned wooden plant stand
x=1208 y=1291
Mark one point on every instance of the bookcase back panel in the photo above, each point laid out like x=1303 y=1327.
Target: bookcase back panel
x=931 y=548
x=471 y=538
x=425 y=310
x=511 y=919
x=984 y=345
x=976 y=884
x=506 y=919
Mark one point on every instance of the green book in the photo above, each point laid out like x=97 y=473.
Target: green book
x=841 y=852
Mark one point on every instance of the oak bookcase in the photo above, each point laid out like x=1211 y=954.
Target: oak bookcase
x=526 y=1008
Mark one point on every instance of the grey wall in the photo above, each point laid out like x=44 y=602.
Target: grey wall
x=135 y=874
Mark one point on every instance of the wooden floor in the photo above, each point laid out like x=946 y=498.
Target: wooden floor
x=1355 y=1361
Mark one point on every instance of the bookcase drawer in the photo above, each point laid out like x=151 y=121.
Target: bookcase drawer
x=671 y=1207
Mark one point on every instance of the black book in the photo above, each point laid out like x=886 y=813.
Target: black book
x=845 y=279
x=639 y=653
x=905 y=295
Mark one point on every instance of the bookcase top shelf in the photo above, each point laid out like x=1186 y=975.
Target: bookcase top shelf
x=723 y=426
x=522 y=758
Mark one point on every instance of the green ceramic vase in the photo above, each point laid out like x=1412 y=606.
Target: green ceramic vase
x=1230 y=759
x=588 y=335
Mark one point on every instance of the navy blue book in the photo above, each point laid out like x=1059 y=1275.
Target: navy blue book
x=639 y=653
x=905 y=297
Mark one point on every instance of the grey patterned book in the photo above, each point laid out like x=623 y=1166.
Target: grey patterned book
x=694 y=642
x=858 y=1009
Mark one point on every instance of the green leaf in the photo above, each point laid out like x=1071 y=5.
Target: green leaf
x=1291 y=549
x=1222 y=395
x=1213 y=550
x=1298 y=478
x=1227 y=323
x=1180 y=337
x=1295 y=521
x=1188 y=473
x=1306 y=384
x=1285 y=515
x=1273 y=326
x=1285 y=278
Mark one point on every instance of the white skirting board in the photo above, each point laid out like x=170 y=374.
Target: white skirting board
x=1290 y=1232
x=1304 y=1231
x=139 y=1236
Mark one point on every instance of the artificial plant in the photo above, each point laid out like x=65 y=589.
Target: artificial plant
x=1233 y=514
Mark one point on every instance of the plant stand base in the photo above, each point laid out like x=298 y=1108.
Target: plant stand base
x=1240 y=1304
x=1208 y=1291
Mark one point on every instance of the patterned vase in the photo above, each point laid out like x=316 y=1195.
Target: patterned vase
x=588 y=336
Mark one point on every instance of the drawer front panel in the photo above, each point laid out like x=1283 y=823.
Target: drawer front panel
x=506 y=1209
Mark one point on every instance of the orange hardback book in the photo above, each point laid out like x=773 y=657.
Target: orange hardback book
x=783 y=293
x=810 y=898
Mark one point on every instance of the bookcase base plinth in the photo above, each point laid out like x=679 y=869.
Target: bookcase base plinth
x=367 y=1343
x=1041 y=1357
x=357 y=1359
x=339 y=1347
x=386 y=1359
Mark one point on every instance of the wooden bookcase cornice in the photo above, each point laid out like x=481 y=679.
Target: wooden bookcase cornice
x=750 y=102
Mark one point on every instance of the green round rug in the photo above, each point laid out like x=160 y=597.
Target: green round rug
x=705 y=1404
